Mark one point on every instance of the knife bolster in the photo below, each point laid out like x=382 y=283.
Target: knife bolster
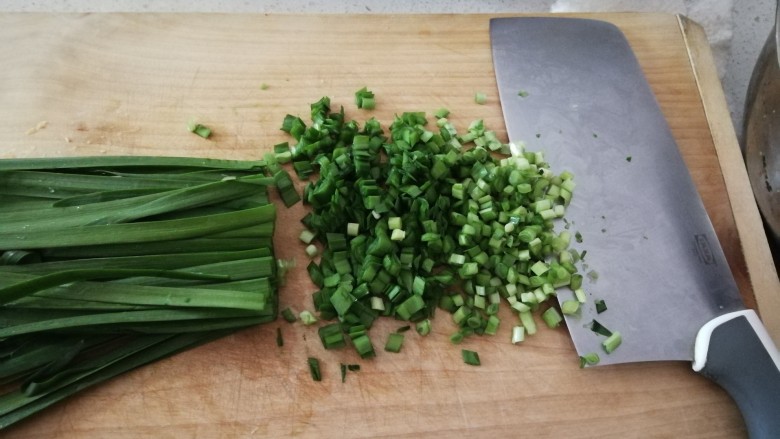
x=702 y=346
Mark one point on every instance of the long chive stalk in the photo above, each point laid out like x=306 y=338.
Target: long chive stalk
x=110 y=263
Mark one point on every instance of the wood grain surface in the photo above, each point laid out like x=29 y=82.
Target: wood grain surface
x=129 y=83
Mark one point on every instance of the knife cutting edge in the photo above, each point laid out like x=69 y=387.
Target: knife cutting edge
x=577 y=84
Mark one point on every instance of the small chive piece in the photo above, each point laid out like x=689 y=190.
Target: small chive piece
x=441 y=113
x=580 y=294
x=570 y=307
x=612 y=342
x=522 y=93
x=364 y=98
x=628 y=159
x=312 y=251
x=470 y=357
x=403 y=329
x=353 y=367
x=343 y=372
x=264 y=86
x=394 y=342
x=601 y=306
x=589 y=359
x=289 y=315
x=578 y=237
x=394 y=223
x=518 y=334
x=398 y=235
x=527 y=319
x=306 y=236
x=598 y=328
x=552 y=318
x=353 y=229
x=480 y=98
x=332 y=336
x=307 y=317
x=201 y=130
x=363 y=345
x=279 y=339
x=423 y=327
x=286 y=188
x=314 y=369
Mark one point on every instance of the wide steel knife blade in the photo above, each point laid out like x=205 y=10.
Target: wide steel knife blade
x=576 y=85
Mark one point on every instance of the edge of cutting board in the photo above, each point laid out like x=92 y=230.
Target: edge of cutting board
x=755 y=245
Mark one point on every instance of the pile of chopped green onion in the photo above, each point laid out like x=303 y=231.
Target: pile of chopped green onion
x=110 y=263
x=423 y=216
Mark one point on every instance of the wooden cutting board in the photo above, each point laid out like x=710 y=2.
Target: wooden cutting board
x=128 y=84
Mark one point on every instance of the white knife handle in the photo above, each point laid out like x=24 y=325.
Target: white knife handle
x=735 y=351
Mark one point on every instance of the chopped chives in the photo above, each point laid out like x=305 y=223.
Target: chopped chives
x=312 y=251
x=456 y=338
x=480 y=98
x=336 y=241
x=423 y=207
x=201 y=130
x=306 y=236
x=394 y=223
x=579 y=293
x=286 y=188
x=528 y=323
x=423 y=327
x=570 y=307
x=364 y=98
x=398 y=235
x=575 y=282
x=289 y=315
x=492 y=325
x=279 y=339
x=612 y=342
x=598 y=328
x=394 y=342
x=331 y=336
x=314 y=369
x=307 y=317
x=442 y=113
x=590 y=359
x=552 y=318
x=518 y=334
x=601 y=306
x=363 y=346
x=470 y=357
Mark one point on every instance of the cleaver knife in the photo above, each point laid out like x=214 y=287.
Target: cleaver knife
x=575 y=86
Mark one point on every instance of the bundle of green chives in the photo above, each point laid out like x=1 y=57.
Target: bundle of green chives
x=110 y=263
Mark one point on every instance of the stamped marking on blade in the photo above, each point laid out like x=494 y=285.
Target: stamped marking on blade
x=704 y=250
